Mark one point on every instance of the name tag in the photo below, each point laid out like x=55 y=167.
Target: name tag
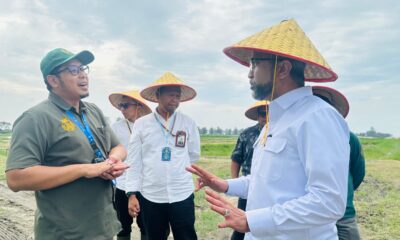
x=166 y=154
x=180 y=139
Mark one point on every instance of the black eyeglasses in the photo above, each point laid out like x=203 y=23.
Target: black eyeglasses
x=255 y=61
x=262 y=114
x=74 y=69
x=126 y=105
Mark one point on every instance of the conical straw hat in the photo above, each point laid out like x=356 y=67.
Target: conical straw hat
x=168 y=79
x=116 y=98
x=252 y=112
x=335 y=98
x=286 y=39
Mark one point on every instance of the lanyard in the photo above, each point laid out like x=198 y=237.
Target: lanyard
x=88 y=133
x=164 y=128
x=129 y=127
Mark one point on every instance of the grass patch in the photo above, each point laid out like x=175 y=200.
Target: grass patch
x=378 y=148
x=377 y=200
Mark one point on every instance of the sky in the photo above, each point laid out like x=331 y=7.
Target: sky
x=136 y=42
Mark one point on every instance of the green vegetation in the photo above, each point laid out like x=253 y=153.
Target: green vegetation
x=4 y=145
x=377 y=200
x=381 y=148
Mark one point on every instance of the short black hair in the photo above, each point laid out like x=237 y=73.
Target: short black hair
x=297 y=71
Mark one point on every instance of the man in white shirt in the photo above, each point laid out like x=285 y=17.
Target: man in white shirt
x=132 y=107
x=162 y=145
x=298 y=183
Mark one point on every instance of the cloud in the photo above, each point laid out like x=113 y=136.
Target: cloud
x=208 y=25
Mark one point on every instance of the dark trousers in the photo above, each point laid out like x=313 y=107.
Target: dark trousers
x=348 y=229
x=158 y=217
x=238 y=235
x=121 y=202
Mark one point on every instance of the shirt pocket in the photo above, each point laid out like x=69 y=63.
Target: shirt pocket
x=271 y=166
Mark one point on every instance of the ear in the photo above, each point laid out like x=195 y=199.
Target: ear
x=53 y=80
x=284 y=69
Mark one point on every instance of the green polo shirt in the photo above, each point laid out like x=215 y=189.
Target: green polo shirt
x=44 y=135
x=356 y=173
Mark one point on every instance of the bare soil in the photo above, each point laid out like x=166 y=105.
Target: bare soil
x=16 y=214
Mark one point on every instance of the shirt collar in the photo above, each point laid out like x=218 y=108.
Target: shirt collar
x=282 y=103
x=59 y=102
x=161 y=118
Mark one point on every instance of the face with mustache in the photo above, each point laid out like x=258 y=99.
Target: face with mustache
x=72 y=85
x=261 y=75
x=169 y=98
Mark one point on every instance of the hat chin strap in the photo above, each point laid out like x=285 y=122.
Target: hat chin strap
x=264 y=139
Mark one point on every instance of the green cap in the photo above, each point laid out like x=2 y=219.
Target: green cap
x=60 y=56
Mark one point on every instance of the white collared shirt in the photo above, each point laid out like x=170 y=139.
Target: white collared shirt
x=162 y=181
x=298 y=183
x=122 y=130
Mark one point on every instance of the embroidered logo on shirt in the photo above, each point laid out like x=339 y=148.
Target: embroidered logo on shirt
x=67 y=125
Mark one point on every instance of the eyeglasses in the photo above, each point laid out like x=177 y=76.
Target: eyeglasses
x=262 y=114
x=255 y=61
x=74 y=69
x=126 y=105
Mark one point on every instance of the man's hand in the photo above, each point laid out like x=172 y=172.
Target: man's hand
x=207 y=179
x=133 y=206
x=235 y=218
x=96 y=169
x=117 y=169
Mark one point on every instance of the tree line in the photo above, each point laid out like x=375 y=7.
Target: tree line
x=219 y=131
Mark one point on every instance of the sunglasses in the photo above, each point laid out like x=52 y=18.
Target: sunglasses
x=126 y=105
x=262 y=114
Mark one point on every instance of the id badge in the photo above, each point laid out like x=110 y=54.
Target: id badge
x=166 y=154
x=180 y=139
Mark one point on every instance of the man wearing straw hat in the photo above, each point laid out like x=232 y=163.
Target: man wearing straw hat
x=65 y=151
x=243 y=152
x=132 y=107
x=162 y=145
x=347 y=225
x=298 y=183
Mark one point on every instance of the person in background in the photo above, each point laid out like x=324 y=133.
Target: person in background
x=162 y=145
x=132 y=107
x=347 y=225
x=65 y=151
x=243 y=152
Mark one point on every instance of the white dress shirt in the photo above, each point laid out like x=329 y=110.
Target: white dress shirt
x=123 y=133
x=298 y=183
x=162 y=181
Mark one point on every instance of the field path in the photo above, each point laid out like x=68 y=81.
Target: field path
x=16 y=213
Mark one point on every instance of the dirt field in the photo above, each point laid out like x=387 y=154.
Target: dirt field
x=16 y=214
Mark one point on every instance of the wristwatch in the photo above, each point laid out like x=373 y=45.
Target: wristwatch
x=128 y=194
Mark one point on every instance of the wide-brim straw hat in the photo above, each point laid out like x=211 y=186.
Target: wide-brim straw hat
x=117 y=98
x=335 y=98
x=288 y=40
x=252 y=112
x=168 y=80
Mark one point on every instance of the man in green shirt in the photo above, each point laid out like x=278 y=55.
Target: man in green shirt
x=347 y=225
x=64 y=150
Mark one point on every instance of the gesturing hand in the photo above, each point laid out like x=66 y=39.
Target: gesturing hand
x=235 y=218
x=206 y=178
